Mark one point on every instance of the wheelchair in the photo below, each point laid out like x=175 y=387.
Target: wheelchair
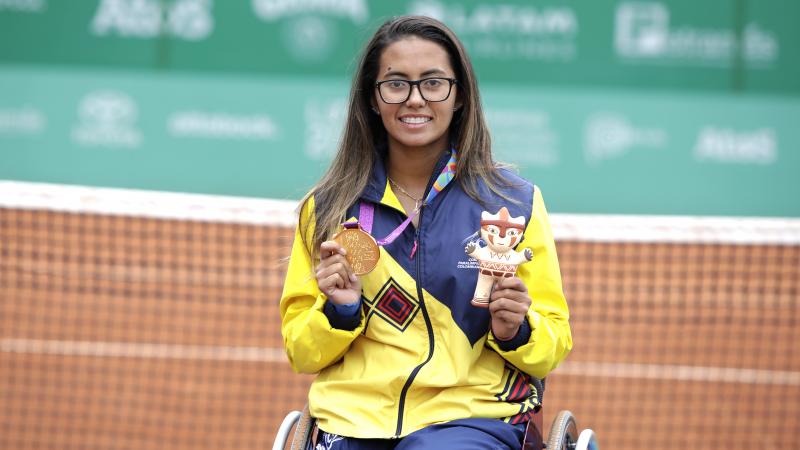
x=563 y=433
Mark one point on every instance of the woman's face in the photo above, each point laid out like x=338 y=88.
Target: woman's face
x=416 y=123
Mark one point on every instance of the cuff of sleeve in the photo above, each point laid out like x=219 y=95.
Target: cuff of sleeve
x=522 y=337
x=343 y=317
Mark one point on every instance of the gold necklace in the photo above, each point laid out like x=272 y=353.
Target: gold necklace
x=417 y=201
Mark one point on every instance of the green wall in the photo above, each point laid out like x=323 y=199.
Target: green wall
x=610 y=106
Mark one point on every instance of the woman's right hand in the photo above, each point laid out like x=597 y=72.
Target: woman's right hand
x=335 y=277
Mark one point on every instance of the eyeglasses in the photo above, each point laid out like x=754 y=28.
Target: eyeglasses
x=431 y=89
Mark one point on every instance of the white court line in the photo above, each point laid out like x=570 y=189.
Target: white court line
x=679 y=373
x=142 y=350
x=277 y=355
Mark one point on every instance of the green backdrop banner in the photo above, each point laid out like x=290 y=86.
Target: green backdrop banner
x=724 y=45
x=590 y=150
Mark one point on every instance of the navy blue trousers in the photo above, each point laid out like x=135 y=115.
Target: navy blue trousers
x=462 y=434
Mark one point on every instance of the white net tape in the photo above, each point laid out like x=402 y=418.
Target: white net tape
x=214 y=208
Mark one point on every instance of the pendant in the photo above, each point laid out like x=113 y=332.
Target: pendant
x=362 y=250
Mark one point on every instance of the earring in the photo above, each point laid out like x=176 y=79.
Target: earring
x=375 y=110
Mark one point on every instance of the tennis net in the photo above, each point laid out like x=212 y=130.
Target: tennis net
x=145 y=320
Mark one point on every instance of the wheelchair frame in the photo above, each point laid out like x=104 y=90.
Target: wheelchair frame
x=563 y=433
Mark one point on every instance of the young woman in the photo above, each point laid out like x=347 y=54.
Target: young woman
x=404 y=359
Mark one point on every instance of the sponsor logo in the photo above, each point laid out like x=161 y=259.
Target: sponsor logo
x=643 y=33
x=108 y=119
x=504 y=31
x=31 y=6
x=727 y=145
x=24 y=120
x=324 y=122
x=273 y=10
x=190 y=20
x=523 y=137
x=221 y=125
x=760 y=46
x=309 y=29
x=609 y=135
x=309 y=39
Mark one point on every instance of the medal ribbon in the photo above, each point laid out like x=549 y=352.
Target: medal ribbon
x=367 y=210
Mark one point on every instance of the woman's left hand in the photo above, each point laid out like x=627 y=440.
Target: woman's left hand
x=508 y=307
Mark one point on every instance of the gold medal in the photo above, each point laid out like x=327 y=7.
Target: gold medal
x=362 y=250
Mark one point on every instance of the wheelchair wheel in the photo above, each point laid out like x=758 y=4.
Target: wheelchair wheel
x=563 y=433
x=303 y=431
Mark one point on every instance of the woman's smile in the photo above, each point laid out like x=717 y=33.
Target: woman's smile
x=415 y=121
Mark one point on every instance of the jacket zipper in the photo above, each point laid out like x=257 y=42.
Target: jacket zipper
x=428 y=325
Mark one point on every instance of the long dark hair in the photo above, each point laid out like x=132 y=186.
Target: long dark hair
x=350 y=170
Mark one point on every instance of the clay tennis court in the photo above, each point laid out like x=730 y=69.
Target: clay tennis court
x=139 y=333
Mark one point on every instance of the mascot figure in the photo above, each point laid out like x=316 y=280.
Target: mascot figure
x=498 y=259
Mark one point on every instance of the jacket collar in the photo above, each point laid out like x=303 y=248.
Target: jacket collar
x=378 y=190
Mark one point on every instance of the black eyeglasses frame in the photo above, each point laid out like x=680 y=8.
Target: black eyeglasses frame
x=412 y=83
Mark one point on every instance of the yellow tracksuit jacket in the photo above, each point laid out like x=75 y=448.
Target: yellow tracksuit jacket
x=418 y=352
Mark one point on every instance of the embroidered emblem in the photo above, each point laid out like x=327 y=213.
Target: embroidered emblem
x=393 y=304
